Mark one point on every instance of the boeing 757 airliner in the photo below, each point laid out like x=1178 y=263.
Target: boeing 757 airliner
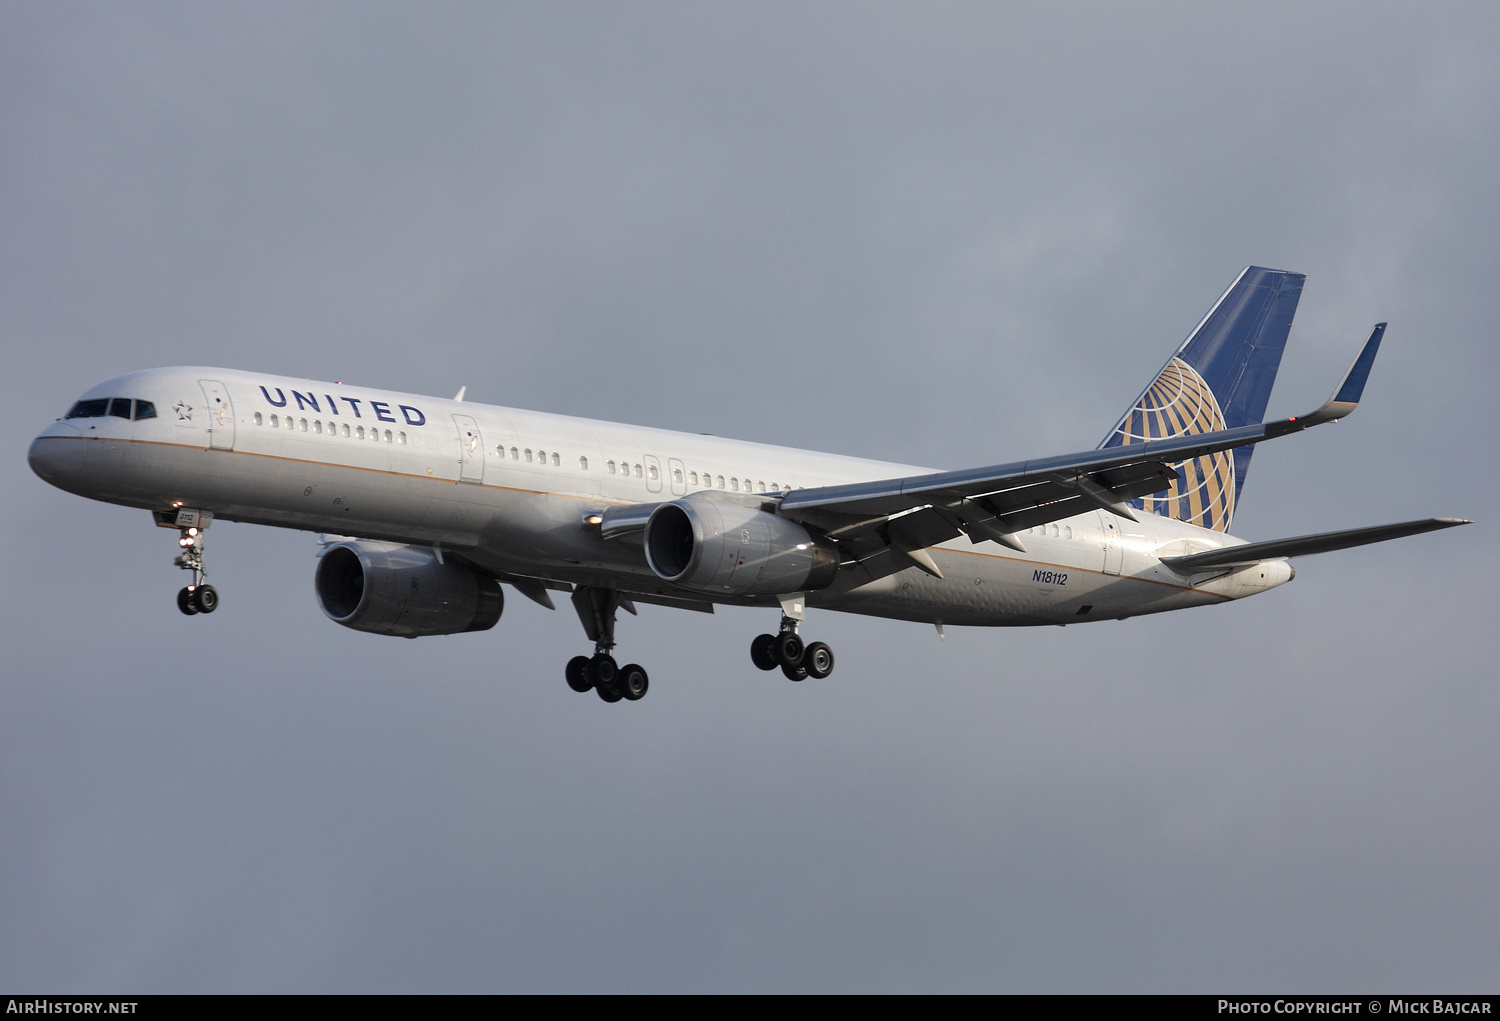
x=426 y=507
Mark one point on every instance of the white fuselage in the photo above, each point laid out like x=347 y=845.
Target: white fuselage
x=510 y=490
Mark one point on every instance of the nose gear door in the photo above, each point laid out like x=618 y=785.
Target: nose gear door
x=220 y=415
x=470 y=449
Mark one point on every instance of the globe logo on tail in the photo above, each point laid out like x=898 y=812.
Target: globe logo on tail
x=1180 y=403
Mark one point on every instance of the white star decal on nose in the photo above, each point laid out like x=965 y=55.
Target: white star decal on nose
x=184 y=412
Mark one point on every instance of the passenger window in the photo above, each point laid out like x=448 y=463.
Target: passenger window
x=693 y=478
x=120 y=408
x=1054 y=531
x=388 y=436
x=637 y=471
x=528 y=454
x=317 y=427
x=651 y=471
x=734 y=484
x=401 y=438
x=514 y=456
x=258 y=420
x=677 y=476
x=275 y=422
x=1067 y=531
x=89 y=409
x=144 y=409
x=721 y=481
x=302 y=424
x=556 y=459
x=583 y=463
x=359 y=432
x=609 y=466
x=345 y=431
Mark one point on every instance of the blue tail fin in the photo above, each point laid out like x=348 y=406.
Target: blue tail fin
x=1220 y=378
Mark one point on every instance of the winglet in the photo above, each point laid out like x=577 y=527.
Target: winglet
x=1346 y=398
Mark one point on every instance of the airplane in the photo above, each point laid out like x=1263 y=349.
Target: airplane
x=426 y=507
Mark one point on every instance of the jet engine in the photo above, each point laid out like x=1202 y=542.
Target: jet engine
x=725 y=547
x=390 y=589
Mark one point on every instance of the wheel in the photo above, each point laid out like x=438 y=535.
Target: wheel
x=206 y=598
x=185 y=602
x=632 y=682
x=577 y=673
x=789 y=649
x=608 y=692
x=763 y=653
x=795 y=673
x=818 y=658
x=603 y=669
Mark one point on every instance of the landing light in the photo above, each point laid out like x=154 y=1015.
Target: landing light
x=594 y=519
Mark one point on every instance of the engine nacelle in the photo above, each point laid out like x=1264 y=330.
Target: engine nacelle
x=724 y=547
x=390 y=589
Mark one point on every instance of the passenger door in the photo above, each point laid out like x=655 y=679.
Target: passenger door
x=470 y=449
x=1114 y=554
x=220 y=415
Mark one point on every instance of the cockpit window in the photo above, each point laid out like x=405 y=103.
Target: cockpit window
x=89 y=409
x=144 y=409
x=120 y=407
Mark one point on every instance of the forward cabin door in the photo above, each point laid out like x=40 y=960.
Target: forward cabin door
x=220 y=415
x=470 y=449
x=1114 y=554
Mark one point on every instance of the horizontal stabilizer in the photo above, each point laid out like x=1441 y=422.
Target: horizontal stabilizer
x=1278 y=549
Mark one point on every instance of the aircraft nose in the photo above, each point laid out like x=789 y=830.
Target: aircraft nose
x=56 y=452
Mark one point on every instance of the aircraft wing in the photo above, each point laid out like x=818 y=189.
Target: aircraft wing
x=1278 y=549
x=909 y=514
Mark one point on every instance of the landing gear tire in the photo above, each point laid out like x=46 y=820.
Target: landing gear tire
x=817 y=658
x=185 y=602
x=763 y=652
x=603 y=669
x=794 y=673
x=608 y=692
x=789 y=650
x=206 y=599
x=577 y=673
x=632 y=683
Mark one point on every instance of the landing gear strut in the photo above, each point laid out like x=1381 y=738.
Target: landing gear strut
x=612 y=682
x=197 y=597
x=786 y=650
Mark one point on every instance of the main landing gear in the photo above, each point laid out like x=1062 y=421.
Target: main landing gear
x=785 y=649
x=197 y=597
x=599 y=672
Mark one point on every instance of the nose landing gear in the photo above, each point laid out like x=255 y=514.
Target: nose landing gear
x=191 y=524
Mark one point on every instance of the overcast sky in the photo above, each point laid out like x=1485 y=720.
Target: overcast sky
x=941 y=234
